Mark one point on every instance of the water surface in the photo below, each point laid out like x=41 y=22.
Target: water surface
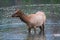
x=15 y=29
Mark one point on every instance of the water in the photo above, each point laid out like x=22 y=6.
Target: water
x=15 y=29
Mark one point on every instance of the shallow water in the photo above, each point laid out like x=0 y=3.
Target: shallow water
x=18 y=31
x=14 y=29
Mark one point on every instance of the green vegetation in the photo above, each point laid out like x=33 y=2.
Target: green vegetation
x=15 y=2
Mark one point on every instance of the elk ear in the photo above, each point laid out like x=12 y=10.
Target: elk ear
x=16 y=10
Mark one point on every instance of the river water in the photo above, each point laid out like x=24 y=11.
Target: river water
x=15 y=29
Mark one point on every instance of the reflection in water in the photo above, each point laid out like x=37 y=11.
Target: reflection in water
x=36 y=37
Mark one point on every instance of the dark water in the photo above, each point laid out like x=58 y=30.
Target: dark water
x=14 y=29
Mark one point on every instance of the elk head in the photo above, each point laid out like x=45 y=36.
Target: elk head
x=17 y=13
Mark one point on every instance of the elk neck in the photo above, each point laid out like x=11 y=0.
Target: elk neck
x=24 y=18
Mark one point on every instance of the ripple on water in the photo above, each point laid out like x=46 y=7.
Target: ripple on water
x=12 y=36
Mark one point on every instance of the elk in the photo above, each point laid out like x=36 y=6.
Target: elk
x=33 y=20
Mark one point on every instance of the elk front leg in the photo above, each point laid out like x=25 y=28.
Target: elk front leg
x=34 y=29
x=29 y=30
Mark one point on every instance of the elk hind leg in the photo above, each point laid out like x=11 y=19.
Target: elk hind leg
x=42 y=28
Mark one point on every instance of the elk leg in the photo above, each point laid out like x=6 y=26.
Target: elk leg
x=29 y=30
x=34 y=29
x=42 y=28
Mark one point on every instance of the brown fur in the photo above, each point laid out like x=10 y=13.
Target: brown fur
x=32 y=20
